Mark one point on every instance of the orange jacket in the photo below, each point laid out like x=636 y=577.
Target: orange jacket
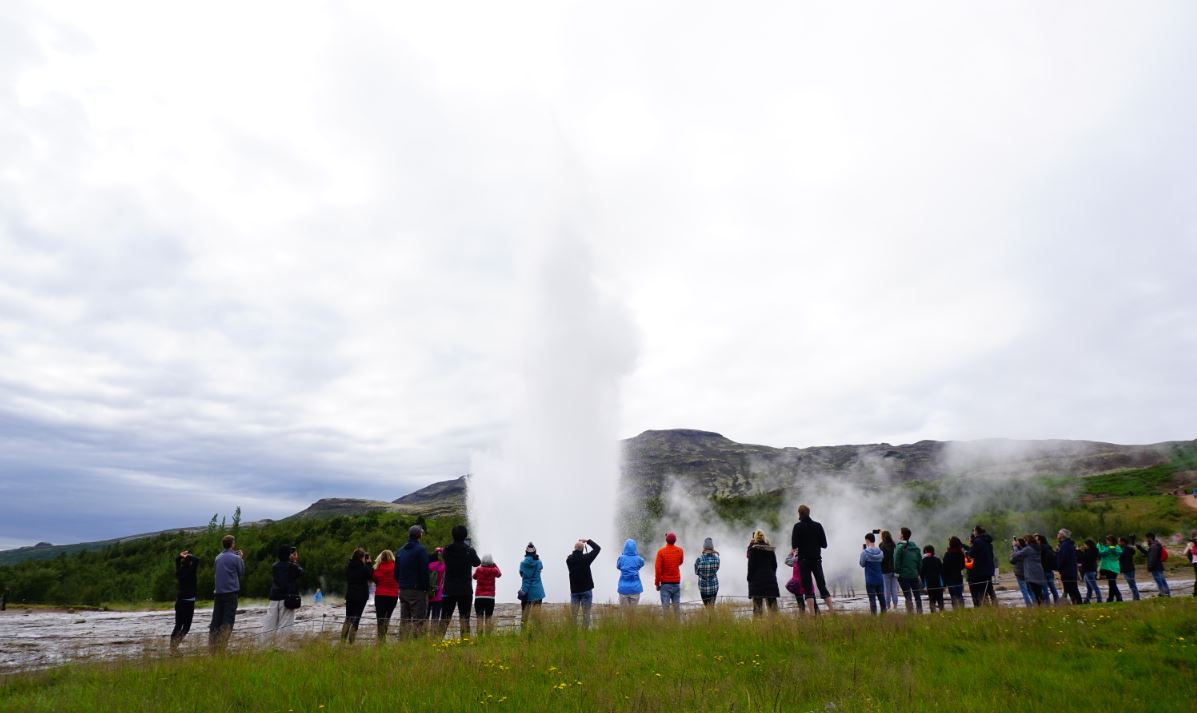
x=669 y=565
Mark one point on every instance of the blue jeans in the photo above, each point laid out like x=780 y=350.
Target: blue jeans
x=1161 y=583
x=583 y=601
x=671 y=596
x=1091 y=587
x=956 y=592
x=1026 y=593
x=1050 y=587
x=891 y=587
x=1130 y=582
x=876 y=594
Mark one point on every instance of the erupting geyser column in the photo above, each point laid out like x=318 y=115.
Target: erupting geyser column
x=555 y=476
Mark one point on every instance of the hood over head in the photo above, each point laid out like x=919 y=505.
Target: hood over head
x=629 y=548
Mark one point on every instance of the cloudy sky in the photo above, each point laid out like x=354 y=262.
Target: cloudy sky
x=260 y=254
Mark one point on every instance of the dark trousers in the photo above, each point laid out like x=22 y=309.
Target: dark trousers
x=384 y=607
x=413 y=611
x=1038 y=592
x=935 y=598
x=759 y=604
x=184 y=613
x=956 y=594
x=1112 y=580
x=224 y=615
x=982 y=592
x=1071 y=590
x=462 y=603
x=911 y=589
x=813 y=569
x=484 y=607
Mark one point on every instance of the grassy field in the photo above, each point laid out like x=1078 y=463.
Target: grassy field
x=1140 y=656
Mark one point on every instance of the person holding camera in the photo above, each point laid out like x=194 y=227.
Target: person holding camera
x=953 y=571
x=980 y=576
x=284 y=593
x=359 y=573
x=458 y=592
x=1155 y=563
x=186 y=565
x=1027 y=558
x=1108 y=568
x=870 y=559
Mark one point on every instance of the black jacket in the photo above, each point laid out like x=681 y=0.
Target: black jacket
x=580 y=579
x=358 y=576
x=808 y=538
x=887 y=557
x=185 y=568
x=762 y=572
x=1154 y=552
x=1047 y=556
x=953 y=567
x=459 y=559
x=981 y=550
x=1126 y=561
x=1066 y=563
x=1088 y=557
x=284 y=579
x=931 y=572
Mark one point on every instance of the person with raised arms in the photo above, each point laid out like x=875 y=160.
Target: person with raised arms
x=629 y=565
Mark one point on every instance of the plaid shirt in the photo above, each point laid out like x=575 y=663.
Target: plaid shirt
x=706 y=567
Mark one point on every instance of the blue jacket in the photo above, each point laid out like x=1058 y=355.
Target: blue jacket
x=870 y=559
x=530 y=574
x=229 y=570
x=629 y=565
x=411 y=566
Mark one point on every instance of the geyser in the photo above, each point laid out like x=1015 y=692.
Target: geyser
x=555 y=476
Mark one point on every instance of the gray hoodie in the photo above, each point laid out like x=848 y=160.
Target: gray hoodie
x=1029 y=558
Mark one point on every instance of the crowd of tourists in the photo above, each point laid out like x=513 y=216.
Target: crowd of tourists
x=427 y=588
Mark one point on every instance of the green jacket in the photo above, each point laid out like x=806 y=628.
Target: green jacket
x=1109 y=557
x=907 y=559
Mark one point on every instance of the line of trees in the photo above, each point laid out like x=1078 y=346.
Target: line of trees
x=143 y=570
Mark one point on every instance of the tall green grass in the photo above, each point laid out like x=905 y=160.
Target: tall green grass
x=1138 y=656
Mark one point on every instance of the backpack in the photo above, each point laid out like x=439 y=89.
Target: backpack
x=1163 y=553
x=434 y=582
x=794 y=586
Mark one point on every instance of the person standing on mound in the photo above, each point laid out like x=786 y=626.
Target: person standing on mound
x=629 y=565
x=810 y=541
x=668 y=579
x=762 y=574
x=581 y=580
x=531 y=587
x=706 y=568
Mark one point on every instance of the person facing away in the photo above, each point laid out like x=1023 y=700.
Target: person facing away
x=1019 y=577
x=953 y=571
x=1067 y=565
x=436 y=583
x=229 y=569
x=1089 y=563
x=284 y=583
x=186 y=566
x=386 y=593
x=1155 y=564
x=629 y=565
x=906 y=564
x=887 y=546
x=871 y=558
x=460 y=561
x=359 y=573
x=762 y=574
x=1108 y=566
x=1126 y=566
x=668 y=579
x=581 y=581
x=411 y=572
x=931 y=574
x=809 y=539
x=530 y=581
x=1050 y=566
x=1029 y=555
x=980 y=577
x=484 y=593
x=706 y=568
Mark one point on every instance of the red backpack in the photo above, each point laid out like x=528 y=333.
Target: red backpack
x=1163 y=553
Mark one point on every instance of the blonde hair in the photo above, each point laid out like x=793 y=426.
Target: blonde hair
x=386 y=556
x=758 y=537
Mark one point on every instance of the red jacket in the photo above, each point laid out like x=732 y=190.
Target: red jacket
x=486 y=576
x=669 y=565
x=384 y=580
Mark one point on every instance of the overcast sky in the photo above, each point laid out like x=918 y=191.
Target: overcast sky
x=257 y=254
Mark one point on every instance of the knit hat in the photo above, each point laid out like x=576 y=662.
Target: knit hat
x=530 y=549
x=670 y=538
x=708 y=544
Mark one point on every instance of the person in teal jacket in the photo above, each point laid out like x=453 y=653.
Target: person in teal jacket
x=1108 y=567
x=530 y=570
x=907 y=558
x=629 y=565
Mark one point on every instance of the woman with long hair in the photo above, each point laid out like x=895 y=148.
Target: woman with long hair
x=386 y=592
x=888 y=575
x=953 y=571
x=762 y=574
x=359 y=572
